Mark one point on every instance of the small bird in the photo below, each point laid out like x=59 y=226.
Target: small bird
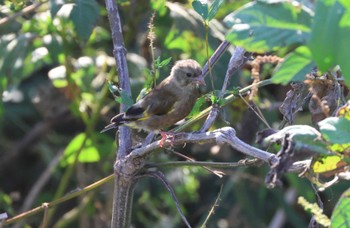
x=170 y=101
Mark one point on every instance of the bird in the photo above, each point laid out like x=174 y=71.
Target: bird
x=167 y=103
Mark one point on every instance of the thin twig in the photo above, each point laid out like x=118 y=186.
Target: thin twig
x=212 y=209
x=24 y=11
x=58 y=201
x=160 y=176
x=215 y=172
x=218 y=165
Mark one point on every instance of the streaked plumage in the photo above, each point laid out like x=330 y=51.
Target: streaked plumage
x=169 y=102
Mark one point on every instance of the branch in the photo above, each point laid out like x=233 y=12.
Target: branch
x=236 y=62
x=123 y=185
x=225 y=135
x=119 y=52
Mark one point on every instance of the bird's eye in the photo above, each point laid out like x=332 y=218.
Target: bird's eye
x=188 y=74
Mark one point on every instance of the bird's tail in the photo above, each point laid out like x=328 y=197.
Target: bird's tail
x=115 y=123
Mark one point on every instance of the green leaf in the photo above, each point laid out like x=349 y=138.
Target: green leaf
x=336 y=130
x=262 y=27
x=159 y=6
x=84 y=16
x=294 y=67
x=164 y=63
x=55 y=6
x=341 y=214
x=325 y=164
x=126 y=99
x=113 y=88
x=214 y=9
x=88 y=150
x=14 y=53
x=197 y=106
x=60 y=83
x=330 y=36
x=54 y=44
x=201 y=8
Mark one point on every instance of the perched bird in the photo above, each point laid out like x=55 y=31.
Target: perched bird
x=169 y=102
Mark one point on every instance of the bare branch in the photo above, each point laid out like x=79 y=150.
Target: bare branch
x=225 y=135
x=119 y=52
x=236 y=62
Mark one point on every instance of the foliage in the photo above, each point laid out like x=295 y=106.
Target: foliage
x=57 y=68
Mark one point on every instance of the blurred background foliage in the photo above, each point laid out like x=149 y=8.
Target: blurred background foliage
x=55 y=59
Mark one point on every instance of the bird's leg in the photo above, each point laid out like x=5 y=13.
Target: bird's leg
x=167 y=136
x=148 y=139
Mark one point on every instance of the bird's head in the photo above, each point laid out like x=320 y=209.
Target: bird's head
x=187 y=73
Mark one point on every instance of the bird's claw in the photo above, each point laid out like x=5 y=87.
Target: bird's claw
x=167 y=136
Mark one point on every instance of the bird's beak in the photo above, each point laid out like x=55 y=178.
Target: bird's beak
x=200 y=81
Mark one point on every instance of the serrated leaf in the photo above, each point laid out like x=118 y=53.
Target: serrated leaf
x=201 y=8
x=84 y=144
x=294 y=67
x=335 y=130
x=262 y=27
x=214 y=9
x=84 y=16
x=341 y=214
